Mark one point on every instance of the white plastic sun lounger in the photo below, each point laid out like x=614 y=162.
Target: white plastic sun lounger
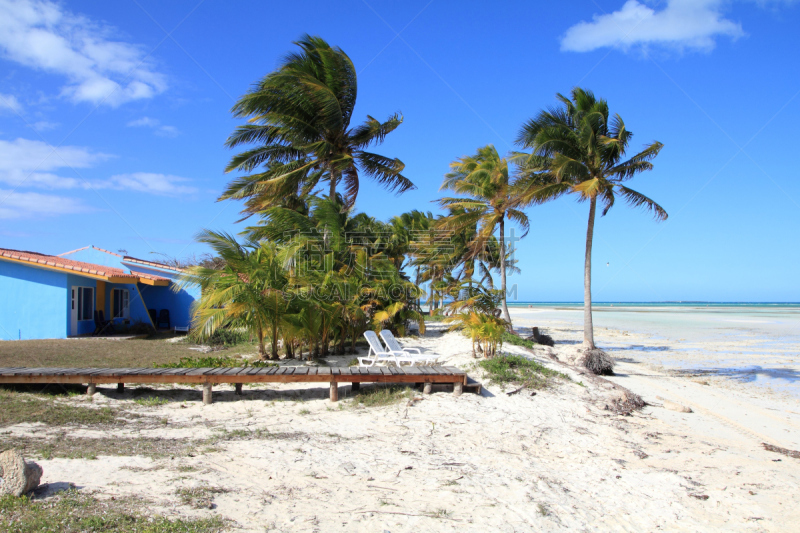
x=378 y=354
x=394 y=346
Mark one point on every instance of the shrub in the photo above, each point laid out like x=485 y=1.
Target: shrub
x=519 y=371
x=516 y=340
x=222 y=337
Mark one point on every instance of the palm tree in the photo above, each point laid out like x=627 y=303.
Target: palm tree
x=248 y=291
x=299 y=116
x=488 y=200
x=580 y=149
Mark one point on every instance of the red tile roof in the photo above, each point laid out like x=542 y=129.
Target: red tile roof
x=76 y=266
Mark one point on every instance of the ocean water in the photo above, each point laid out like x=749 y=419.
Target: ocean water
x=756 y=344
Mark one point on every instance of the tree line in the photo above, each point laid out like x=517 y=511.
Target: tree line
x=298 y=140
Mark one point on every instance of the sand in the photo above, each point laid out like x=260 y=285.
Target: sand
x=556 y=460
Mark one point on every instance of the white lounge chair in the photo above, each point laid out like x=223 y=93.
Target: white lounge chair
x=378 y=354
x=394 y=346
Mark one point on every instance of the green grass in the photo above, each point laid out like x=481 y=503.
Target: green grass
x=151 y=401
x=67 y=447
x=516 y=340
x=199 y=497
x=104 y=353
x=77 y=512
x=20 y=407
x=381 y=396
x=519 y=371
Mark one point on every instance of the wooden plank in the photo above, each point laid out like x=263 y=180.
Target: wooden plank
x=197 y=371
x=412 y=370
x=372 y=371
x=312 y=371
x=324 y=371
x=346 y=370
x=300 y=370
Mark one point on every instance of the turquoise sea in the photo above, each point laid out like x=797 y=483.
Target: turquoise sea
x=752 y=343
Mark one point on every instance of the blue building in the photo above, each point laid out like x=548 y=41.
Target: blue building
x=54 y=297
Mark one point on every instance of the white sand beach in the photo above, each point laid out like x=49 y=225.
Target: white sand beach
x=287 y=459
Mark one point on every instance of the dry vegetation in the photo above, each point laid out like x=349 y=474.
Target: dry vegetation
x=105 y=353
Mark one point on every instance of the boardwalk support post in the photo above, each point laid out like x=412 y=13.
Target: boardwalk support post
x=426 y=389
x=355 y=386
x=206 y=393
x=120 y=387
x=91 y=389
x=458 y=388
x=334 y=391
x=238 y=391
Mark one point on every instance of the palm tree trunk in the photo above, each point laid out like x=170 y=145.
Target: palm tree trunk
x=334 y=179
x=416 y=283
x=506 y=315
x=430 y=296
x=588 y=328
x=262 y=352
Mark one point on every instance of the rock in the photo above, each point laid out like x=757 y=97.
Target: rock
x=18 y=477
x=672 y=406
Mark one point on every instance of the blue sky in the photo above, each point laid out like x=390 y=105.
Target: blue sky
x=113 y=117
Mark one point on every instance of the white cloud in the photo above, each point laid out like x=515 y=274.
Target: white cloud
x=41 y=34
x=9 y=103
x=160 y=184
x=682 y=24
x=31 y=204
x=35 y=164
x=155 y=125
x=44 y=125
x=30 y=163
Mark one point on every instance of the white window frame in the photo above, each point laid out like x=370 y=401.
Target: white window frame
x=123 y=296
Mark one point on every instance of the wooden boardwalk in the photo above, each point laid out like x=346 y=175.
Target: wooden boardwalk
x=208 y=377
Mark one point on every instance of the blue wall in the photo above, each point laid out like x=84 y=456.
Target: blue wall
x=138 y=310
x=178 y=304
x=34 y=303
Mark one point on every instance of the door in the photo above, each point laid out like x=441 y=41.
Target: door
x=73 y=312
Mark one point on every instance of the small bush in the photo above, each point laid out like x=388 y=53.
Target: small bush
x=222 y=337
x=382 y=396
x=151 y=401
x=519 y=371
x=516 y=340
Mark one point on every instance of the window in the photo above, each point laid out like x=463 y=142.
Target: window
x=121 y=307
x=85 y=303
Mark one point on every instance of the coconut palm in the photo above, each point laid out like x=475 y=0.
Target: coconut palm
x=299 y=118
x=248 y=291
x=579 y=148
x=488 y=201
